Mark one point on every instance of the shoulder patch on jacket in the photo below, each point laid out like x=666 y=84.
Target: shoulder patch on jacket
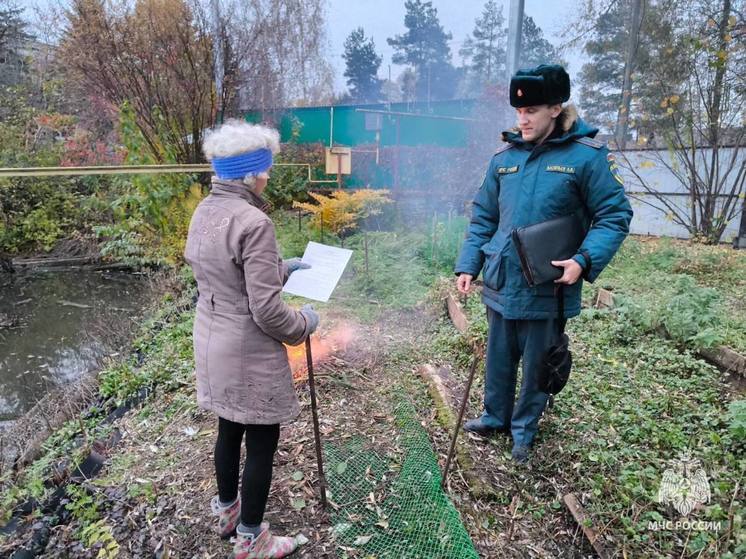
x=590 y=142
x=506 y=147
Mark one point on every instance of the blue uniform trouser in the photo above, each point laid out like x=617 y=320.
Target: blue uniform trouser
x=507 y=342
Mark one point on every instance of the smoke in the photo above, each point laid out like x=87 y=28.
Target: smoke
x=323 y=346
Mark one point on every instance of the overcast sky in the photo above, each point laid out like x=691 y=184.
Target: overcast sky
x=382 y=19
x=385 y=18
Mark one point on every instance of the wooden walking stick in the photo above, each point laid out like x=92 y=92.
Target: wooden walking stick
x=464 y=401
x=315 y=414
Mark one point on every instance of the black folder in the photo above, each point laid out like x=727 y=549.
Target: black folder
x=537 y=245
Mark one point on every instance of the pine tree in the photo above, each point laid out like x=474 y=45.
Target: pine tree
x=362 y=67
x=484 y=51
x=13 y=35
x=535 y=49
x=601 y=77
x=656 y=61
x=425 y=47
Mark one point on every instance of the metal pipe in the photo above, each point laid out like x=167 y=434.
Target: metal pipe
x=8 y=172
x=316 y=429
x=331 y=127
x=102 y=170
x=456 y=429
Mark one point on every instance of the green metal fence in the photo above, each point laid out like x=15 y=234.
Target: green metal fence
x=441 y=123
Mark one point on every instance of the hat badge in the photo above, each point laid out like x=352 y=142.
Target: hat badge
x=520 y=93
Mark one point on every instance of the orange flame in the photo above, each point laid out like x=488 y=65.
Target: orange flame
x=321 y=348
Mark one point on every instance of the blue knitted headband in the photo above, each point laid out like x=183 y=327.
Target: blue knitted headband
x=238 y=166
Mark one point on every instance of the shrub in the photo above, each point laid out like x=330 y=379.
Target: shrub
x=342 y=211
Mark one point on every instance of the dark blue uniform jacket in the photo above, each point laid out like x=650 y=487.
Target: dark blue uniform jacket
x=527 y=184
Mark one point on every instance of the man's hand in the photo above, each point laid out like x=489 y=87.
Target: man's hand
x=573 y=270
x=463 y=283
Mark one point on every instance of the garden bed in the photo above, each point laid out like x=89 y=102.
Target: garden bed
x=634 y=402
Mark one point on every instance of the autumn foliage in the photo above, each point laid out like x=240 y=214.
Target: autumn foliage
x=152 y=54
x=342 y=211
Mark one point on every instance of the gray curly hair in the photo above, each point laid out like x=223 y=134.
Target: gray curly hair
x=238 y=136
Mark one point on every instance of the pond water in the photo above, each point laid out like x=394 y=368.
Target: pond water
x=56 y=326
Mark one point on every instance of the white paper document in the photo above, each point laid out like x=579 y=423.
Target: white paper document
x=318 y=282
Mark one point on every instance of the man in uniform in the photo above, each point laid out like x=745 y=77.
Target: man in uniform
x=550 y=166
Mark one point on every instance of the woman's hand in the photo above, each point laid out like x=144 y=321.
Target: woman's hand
x=294 y=264
x=311 y=316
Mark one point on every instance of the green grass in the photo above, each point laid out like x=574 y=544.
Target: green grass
x=402 y=265
x=697 y=292
x=634 y=402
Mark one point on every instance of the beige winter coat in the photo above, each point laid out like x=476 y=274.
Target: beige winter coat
x=241 y=322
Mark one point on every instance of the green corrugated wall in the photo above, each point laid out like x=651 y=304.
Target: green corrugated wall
x=349 y=124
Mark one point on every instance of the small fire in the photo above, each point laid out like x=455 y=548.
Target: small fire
x=321 y=348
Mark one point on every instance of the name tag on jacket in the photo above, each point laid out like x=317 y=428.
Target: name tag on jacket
x=561 y=169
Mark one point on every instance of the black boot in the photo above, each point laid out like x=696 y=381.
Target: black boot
x=477 y=427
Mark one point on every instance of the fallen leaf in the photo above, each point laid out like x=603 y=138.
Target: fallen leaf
x=300 y=539
x=362 y=540
x=341 y=528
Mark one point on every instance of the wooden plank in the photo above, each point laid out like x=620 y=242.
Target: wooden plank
x=726 y=359
x=457 y=314
x=604 y=299
x=437 y=379
x=576 y=509
x=54 y=262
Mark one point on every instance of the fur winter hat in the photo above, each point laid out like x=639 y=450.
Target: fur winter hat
x=546 y=84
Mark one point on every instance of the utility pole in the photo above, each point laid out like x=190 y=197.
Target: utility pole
x=622 y=121
x=219 y=63
x=515 y=30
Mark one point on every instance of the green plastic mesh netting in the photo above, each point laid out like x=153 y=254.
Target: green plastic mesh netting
x=389 y=502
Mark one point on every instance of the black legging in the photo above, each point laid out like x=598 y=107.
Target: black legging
x=261 y=443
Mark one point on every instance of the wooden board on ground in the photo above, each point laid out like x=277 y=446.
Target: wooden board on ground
x=604 y=299
x=54 y=262
x=576 y=509
x=446 y=404
x=726 y=358
x=457 y=314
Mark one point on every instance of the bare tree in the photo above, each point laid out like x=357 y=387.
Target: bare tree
x=158 y=56
x=278 y=48
x=151 y=55
x=704 y=126
x=635 y=22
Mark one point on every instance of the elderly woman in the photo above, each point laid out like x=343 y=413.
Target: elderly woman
x=240 y=327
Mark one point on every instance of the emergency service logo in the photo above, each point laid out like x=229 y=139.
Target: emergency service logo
x=614 y=168
x=684 y=485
